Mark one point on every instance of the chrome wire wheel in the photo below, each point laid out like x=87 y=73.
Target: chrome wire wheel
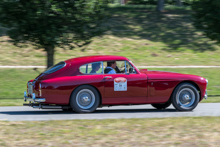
x=85 y=99
x=186 y=97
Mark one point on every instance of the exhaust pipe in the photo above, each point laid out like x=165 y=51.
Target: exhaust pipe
x=51 y=107
x=47 y=106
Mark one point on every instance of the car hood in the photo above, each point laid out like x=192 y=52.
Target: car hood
x=159 y=75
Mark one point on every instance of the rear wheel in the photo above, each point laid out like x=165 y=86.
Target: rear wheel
x=185 y=97
x=85 y=99
x=162 y=105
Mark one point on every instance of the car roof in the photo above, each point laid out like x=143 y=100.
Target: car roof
x=89 y=59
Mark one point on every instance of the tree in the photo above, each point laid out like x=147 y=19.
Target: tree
x=160 y=5
x=206 y=17
x=52 y=23
x=179 y=3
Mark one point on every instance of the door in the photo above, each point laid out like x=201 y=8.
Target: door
x=125 y=88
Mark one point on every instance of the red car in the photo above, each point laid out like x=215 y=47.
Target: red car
x=85 y=83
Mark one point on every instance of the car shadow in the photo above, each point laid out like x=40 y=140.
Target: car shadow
x=134 y=111
x=36 y=112
x=99 y=111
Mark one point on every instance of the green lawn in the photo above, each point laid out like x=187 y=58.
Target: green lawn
x=137 y=32
x=12 y=101
x=163 y=132
x=13 y=83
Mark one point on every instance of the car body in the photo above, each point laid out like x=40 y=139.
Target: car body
x=70 y=85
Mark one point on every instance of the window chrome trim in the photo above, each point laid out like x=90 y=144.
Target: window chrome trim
x=125 y=67
x=86 y=68
x=102 y=68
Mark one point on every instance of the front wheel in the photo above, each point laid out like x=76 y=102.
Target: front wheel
x=85 y=99
x=185 y=97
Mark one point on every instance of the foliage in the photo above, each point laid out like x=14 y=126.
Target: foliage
x=206 y=17
x=137 y=32
x=51 y=23
x=154 y=2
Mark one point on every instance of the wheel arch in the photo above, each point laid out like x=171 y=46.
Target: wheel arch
x=187 y=81
x=100 y=96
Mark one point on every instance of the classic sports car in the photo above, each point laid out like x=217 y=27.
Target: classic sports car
x=85 y=83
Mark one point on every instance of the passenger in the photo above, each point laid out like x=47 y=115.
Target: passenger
x=95 y=67
x=111 y=65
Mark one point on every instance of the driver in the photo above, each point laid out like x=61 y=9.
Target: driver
x=111 y=65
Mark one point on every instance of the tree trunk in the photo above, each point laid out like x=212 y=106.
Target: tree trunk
x=122 y=2
x=160 y=4
x=50 y=55
x=179 y=3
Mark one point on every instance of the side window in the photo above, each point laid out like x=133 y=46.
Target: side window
x=118 y=67
x=129 y=68
x=91 y=68
x=114 y=67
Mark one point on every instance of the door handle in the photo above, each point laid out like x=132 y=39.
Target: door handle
x=108 y=77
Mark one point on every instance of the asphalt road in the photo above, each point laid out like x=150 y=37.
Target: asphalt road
x=25 y=113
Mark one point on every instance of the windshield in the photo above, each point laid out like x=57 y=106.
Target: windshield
x=133 y=64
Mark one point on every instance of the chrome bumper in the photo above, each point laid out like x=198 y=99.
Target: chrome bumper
x=33 y=98
x=206 y=95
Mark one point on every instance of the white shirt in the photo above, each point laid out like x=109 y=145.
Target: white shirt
x=111 y=71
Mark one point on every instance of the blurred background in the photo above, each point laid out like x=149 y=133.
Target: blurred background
x=148 y=32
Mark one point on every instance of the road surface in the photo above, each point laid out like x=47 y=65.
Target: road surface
x=25 y=113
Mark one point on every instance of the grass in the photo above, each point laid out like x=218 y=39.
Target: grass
x=197 y=131
x=12 y=102
x=13 y=83
x=137 y=32
x=212 y=99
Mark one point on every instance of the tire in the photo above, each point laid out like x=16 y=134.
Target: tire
x=84 y=99
x=162 y=105
x=185 y=97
